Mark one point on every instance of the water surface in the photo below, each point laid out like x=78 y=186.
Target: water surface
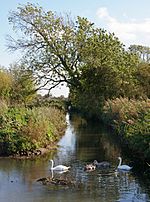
x=82 y=143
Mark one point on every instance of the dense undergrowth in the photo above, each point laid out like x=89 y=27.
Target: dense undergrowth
x=24 y=129
x=131 y=119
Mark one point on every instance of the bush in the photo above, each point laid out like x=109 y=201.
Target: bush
x=138 y=135
x=131 y=120
x=23 y=129
x=124 y=110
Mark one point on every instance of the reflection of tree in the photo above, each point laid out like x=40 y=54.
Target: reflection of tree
x=110 y=148
x=94 y=141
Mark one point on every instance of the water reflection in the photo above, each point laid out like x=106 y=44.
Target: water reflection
x=67 y=145
x=82 y=143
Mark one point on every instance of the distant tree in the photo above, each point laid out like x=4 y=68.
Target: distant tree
x=23 y=87
x=143 y=77
x=143 y=52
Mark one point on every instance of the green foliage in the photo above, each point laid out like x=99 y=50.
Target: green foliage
x=93 y=62
x=49 y=44
x=23 y=129
x=10 y=125
x=143 y=77
x=17 y=85
x=109 y=72
x=23 y=86
x=122 y=110
x=5 y=84
x=43 y=125
x=57 y=49
x=131 y=120
x=3 y=107
x=49 y=101
x=138 y=135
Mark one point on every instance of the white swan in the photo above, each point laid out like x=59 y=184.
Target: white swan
x=59 y=167
x=123 y=167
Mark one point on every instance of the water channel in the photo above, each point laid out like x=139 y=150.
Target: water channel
x=82 y=143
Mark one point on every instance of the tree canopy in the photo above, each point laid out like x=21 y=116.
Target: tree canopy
x=57 y=49
x=48 y=42
x=16 y=85
x=23 y=87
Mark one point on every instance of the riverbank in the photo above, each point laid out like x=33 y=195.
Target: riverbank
x=24 y=131
x=131 y=121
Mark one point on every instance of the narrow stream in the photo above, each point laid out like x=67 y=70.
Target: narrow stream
x=81 y=144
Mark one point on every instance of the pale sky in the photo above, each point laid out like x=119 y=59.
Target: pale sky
x=128 y=19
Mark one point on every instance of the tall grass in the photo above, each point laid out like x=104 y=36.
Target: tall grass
x=45 y=125
x=124 y=110
x=131 y=120
x=24 y=129
x=3 y=107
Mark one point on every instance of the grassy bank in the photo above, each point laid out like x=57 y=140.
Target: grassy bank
x=131 y=120
x=24 y=130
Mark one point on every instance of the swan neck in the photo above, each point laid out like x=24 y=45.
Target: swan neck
x=120 y=161
x=52 y=163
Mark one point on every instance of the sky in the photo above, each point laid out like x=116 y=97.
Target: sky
x=128 y=19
